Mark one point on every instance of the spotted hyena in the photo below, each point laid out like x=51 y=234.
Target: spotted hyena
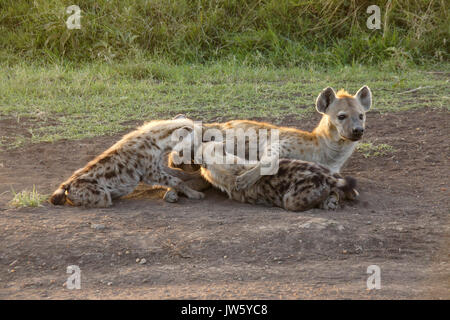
x=297 y=186
x=330 y=144
x=138 y=156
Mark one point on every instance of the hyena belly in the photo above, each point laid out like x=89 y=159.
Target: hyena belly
x=299 y=186
x=138 y=156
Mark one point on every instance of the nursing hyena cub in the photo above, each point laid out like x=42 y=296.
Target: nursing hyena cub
x=297 y=186
x=138 y=156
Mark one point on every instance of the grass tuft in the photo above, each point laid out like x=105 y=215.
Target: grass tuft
x=369 y=149
x=27 y=199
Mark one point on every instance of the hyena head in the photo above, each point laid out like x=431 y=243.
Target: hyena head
x=346 y=112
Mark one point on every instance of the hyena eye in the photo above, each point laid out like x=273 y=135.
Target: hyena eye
x=342 y=117
x=361 y=116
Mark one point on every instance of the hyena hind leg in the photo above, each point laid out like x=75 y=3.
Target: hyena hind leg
x=88 y=195
x=331 y=202
x=301 y=198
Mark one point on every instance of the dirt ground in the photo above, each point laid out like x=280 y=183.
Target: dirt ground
x=219 y=249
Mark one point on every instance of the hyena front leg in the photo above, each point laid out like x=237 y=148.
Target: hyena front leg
x=191 y=179
x=179 y=185
x=190 y=174
x=165 y=176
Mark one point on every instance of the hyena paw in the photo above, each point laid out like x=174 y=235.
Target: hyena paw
x=195 y=195
x=332 y=202
x=171 y=196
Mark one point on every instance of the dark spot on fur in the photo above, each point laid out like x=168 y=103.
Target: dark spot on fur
x=110 y=174
x=281 y=170
x=316 y=180
x=283 y=187
x=103 y=160
x=303 y=188
x=154 y=145
x=82 y=181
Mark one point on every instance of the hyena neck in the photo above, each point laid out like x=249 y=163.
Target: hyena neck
x=334 y=150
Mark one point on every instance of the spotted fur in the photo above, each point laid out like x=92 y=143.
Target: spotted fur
x=297 y=186
x=139 y=156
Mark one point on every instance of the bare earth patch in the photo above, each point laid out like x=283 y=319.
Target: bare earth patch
x=216 y=248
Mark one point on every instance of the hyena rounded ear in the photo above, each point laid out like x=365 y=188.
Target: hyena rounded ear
x=325 y=99
x=179 y=116
x=364 y=97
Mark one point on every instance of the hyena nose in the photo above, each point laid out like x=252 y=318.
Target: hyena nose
x=358 y=131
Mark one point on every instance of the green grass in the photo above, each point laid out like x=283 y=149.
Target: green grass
x=27 y=199
x=48 y=102
x=369 y=149
x=279 y=32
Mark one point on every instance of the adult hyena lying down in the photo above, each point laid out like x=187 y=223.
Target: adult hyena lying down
x=138 y=156
x=297 y=186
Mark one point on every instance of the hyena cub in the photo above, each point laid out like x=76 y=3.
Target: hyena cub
x=138 y=156
x=297 y=186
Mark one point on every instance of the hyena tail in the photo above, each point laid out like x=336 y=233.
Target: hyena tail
x=59 y=196
x=348 y=185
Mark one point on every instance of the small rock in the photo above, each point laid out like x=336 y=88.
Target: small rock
x=98 y=226
x=137 y=260
x=143 y=261
x=109 y=283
